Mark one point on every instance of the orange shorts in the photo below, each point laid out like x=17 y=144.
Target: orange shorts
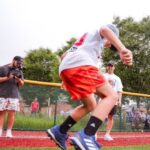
x=81 y=81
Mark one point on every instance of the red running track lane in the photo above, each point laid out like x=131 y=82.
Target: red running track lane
x=40 y=139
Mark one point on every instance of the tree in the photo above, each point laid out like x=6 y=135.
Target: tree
x=66 y=47
x=136 y=37
x=43 y=93
x=42 y=64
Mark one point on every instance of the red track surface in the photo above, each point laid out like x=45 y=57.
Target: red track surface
x=40 y=139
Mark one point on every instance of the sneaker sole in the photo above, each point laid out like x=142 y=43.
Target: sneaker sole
x=76 y=143
x=52 y=137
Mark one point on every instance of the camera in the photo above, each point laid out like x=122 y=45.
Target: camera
x=16 y=72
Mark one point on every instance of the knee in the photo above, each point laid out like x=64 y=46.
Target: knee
x=90 y=108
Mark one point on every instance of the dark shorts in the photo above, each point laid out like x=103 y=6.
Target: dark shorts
x=113 y=111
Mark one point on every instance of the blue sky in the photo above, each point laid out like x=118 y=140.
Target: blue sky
x=30 y=24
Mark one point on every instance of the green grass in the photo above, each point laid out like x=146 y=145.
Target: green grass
x=31 y=122
x=143 y=147
x=43 y=122
x=27 y=122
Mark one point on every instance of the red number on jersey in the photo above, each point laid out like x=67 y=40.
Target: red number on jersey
x=81 y=40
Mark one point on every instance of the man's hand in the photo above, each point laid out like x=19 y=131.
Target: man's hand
x=126 y=57
x=20 y=81
x=10 y=76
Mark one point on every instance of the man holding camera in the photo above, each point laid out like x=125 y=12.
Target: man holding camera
x=11 y=77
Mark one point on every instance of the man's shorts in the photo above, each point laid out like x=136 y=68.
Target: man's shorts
x=9 y=104
x=82 y=81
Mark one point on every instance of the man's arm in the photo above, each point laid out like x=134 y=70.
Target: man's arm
x=125 y=54
x=6 y=78
x=3 y=79
x=119 y=99
x=19 y=81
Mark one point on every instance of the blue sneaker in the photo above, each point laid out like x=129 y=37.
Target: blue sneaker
x=57 y=137
x=81 y=141
x=98 y=144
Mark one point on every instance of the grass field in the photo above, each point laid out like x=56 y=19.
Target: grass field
x=144 y=147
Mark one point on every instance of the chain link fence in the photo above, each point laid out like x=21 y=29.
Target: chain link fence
x=55 y=106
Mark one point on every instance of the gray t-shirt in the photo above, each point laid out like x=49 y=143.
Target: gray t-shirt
x=9 y=88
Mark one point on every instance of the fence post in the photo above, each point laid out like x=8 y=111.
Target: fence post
x=56 y=101
x=120 y=123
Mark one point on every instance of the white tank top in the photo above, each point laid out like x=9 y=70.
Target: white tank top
x=85 y=51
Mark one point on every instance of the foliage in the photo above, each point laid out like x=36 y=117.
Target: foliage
x=44 y=94
x=42 y=65
x=66 y=47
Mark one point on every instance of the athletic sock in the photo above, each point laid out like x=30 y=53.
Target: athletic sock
x=67 y=124
x=92 y=126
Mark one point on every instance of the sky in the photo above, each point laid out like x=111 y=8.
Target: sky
x=30 y=24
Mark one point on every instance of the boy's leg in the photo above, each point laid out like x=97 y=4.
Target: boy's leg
x=59 y=133
x=86 y=137
x=107 y=103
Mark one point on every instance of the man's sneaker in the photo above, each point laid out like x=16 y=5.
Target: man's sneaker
x=8 y=134
x=1 y=132
x=57 y=137
x=108 y=137
x=84 y=142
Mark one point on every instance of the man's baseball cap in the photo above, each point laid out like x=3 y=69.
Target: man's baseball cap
x=111 y=63
x=19 y=59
